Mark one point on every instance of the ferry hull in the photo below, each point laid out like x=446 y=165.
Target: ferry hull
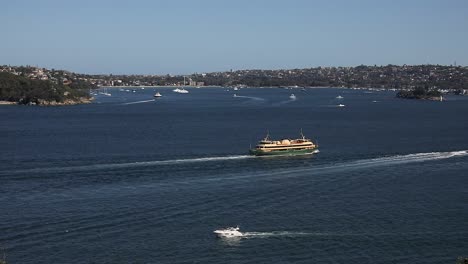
x=288 y=152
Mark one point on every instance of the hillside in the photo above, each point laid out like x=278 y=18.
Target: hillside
x=22 y=90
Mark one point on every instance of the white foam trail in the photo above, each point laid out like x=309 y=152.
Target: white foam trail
x=357 y=164
x=329 y=234
x=131 y=164
x=139 y=102
x=275 y=234
x=250 y=97
x=383 y=161
x=285 y=102
x=338 y=167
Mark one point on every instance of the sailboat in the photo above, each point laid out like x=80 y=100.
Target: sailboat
x=105 y=92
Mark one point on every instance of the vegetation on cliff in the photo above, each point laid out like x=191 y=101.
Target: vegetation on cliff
x=23 y=90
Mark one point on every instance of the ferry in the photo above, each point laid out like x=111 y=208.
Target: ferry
x=298 y=146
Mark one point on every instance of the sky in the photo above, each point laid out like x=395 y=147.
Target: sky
x=189 y=36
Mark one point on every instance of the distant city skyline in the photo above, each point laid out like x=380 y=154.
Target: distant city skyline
x=184 y=37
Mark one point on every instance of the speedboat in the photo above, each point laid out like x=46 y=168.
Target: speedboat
x=339 y=97
x=229 y=232
x=341 y=105
x=292 y=96
x=177 y=90
x=157 y=95
x=235 y=95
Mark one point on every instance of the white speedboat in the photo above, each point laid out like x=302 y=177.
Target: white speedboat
x=341 y=105
x=292 y=97
x=235 y=95
x=157 y=95
x=177 y=90
x=229 y=232
x=339 y=97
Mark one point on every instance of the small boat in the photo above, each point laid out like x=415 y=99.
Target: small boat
x=298 y=146
x=235 y=95
x=236 y=89
x=341 y=105
x=157 y=95
x=182 y=91
x=339 y=97
x=105 y=92
x=292 y=97
x=229 y=232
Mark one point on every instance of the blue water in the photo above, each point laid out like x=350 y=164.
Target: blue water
x=129 y=179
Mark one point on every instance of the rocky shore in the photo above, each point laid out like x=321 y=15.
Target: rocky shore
x=42 y=102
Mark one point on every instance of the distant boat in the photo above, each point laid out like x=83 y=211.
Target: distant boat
x=157 y=95
x=235 y=95
x=292 y=97
x=341 y=105
x=182 y=91
x=236 y=89
x=105 y=92
x=339 y=97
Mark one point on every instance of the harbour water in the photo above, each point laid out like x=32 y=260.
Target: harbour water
x=129 y=179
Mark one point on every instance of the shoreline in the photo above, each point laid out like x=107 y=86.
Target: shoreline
x=41 y=102
x=8 y=103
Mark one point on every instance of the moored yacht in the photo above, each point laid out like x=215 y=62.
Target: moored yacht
x=157 y=95
x=292 y=97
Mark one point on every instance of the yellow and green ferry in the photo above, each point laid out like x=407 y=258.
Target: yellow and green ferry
x=298 y=146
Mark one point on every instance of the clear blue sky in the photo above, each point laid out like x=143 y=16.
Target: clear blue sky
x=187 y=36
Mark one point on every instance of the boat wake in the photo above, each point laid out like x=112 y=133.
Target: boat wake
x=131 y=164
x=252 y=98
x=370 y=163
x=275 y=234
x=291 y=234
x=350 y=165
x=284 y=102
x=138 y=102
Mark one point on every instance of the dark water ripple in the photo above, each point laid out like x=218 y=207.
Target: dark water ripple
x=148 y=182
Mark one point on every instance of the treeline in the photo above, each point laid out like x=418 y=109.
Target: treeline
x=420 y=93
x=22 y=90
x=390 y=76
